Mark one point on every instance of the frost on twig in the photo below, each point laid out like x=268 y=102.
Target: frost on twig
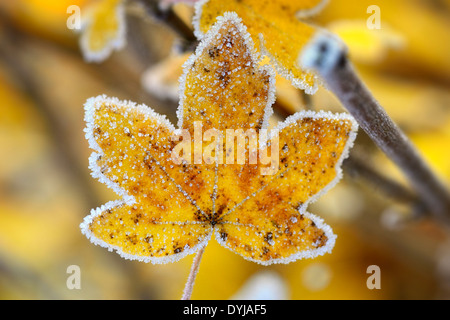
x=327 y=56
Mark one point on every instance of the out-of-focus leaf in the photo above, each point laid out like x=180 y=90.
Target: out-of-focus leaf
x=103 y=29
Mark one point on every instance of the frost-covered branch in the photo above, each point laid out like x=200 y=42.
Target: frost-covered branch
x=327 y=56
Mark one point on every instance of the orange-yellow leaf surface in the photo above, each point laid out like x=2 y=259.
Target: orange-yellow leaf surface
x=103 y=29
x=275 y=28
x=171 y=209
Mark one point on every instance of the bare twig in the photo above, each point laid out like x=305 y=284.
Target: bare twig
x=328 y=56
x=192 y=275
x=173 y=21
x=357 y=168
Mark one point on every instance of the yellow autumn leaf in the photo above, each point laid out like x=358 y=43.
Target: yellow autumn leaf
x=103 y=29
x=275 y=29
x=161 y=80
x=170 y=209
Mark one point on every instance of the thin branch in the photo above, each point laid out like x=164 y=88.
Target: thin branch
x=357 y=168
x=173 y=21
x=328 y=57
x=192 y=275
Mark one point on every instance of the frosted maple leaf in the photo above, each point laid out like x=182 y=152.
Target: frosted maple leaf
x=169 y=210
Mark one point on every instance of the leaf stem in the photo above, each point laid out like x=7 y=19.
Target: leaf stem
x=192 y=275
x=327 y=55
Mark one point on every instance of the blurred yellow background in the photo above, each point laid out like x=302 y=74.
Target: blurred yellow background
x=46 y=188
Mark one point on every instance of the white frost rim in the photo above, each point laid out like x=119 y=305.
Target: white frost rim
x=91 y=106
x=155 y=260
x=312 y=253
